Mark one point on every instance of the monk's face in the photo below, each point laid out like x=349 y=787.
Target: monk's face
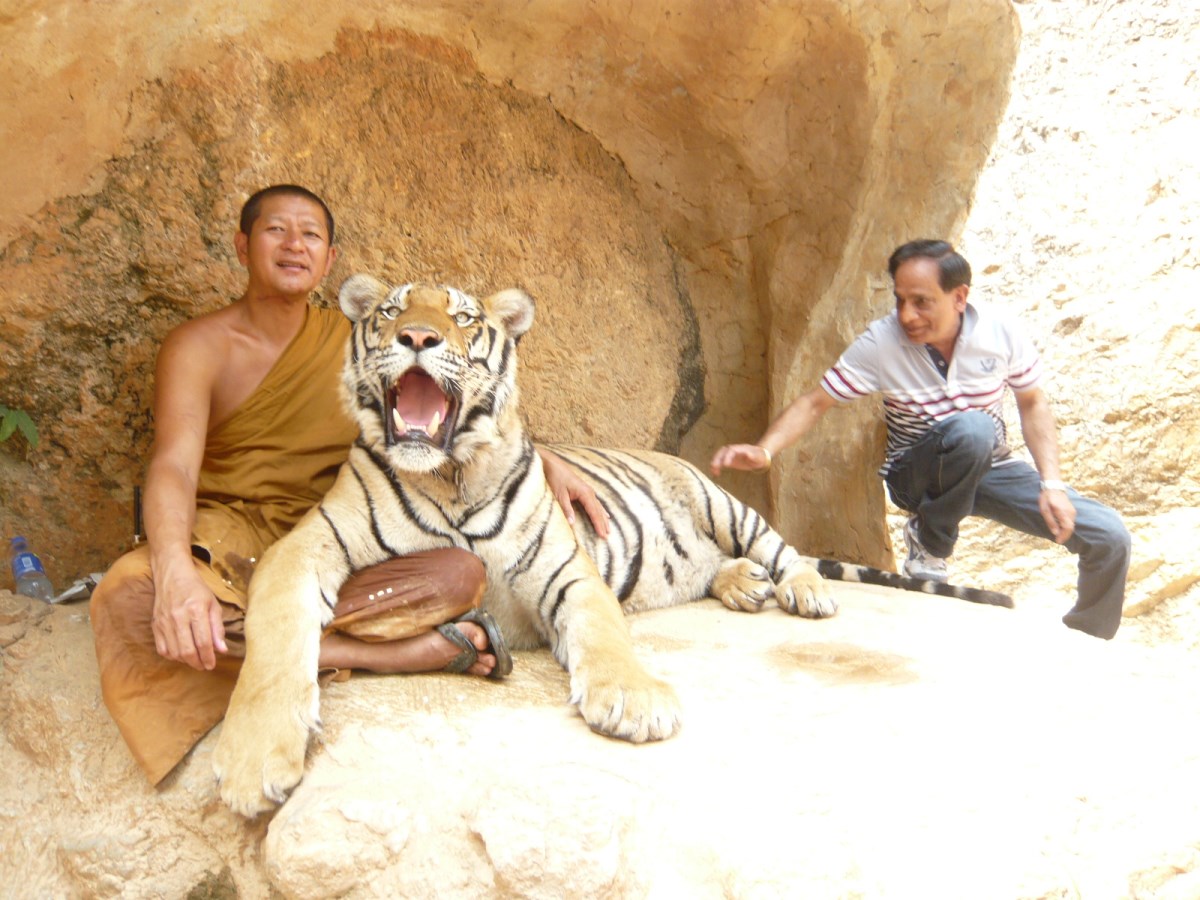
x=287 y=252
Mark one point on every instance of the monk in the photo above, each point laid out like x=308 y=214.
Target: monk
x=249 y=434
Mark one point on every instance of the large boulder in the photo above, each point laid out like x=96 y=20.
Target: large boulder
x=700 y=196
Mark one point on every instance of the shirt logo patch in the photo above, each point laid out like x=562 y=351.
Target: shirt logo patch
x=989 y=364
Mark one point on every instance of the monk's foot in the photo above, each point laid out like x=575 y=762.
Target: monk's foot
x=431 y=652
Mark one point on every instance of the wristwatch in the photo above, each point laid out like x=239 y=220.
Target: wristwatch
x=1053 y=484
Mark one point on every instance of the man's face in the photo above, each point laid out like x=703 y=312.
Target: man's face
x=287 y=251
x=927 y=314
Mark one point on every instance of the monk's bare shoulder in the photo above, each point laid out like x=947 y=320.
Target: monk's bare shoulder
x=226 y=354
x=194 y=367
x=210 y=334
x=207 y=349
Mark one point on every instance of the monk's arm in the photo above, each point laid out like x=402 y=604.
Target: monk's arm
x=187 y=619
x=567 y=486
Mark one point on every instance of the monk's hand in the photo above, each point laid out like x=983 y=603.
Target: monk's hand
x=187 y=622
x=569 y=488
x=747 y=457
x=1059 y=513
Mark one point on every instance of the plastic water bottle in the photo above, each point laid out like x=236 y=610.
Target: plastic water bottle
x=29 y=575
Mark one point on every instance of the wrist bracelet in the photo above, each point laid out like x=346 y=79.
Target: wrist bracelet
x=767 y=454
x=1053 y=484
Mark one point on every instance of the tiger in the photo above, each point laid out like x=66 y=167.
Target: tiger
x=443 y=459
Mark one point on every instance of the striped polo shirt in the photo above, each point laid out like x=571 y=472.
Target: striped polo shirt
x=991 y=352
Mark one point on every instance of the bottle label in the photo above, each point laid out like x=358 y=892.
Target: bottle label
x=25 y=563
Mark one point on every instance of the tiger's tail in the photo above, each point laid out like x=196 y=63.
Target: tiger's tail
x=840 y=571
x=749 y=535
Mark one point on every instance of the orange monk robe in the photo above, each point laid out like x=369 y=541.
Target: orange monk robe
x=276 y=456
x=263 y=468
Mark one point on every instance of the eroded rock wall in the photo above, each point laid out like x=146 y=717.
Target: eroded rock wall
x=693 y=190
x=520 y=198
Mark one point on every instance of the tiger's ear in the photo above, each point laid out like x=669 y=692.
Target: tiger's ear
x=514 y=308
x=358 y=292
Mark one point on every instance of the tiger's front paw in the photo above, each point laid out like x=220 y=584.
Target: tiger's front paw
x=634 y=706
x=259 y=756
x=803 y=592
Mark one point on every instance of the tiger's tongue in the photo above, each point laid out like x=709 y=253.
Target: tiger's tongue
x=419 y=400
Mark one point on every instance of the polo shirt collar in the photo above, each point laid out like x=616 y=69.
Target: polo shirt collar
x=970 y=319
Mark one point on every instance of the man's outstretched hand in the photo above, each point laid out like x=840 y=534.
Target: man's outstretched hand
x=747 y=457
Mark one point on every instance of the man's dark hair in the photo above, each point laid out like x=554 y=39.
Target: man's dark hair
x=252 y=207
x=953 y=270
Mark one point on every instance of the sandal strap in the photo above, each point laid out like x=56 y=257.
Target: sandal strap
x=466 y=658
x=496 y=643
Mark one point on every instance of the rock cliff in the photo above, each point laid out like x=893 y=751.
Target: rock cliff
x=698 y=194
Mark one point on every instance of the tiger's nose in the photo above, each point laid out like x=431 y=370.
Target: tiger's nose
x=419 y=338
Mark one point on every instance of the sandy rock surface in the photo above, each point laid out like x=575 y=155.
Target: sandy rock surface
x=910 y=746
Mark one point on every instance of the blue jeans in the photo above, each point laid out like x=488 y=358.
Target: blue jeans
x=948 y=475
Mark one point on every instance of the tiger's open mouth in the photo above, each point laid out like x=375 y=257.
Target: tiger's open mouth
x=418 y=410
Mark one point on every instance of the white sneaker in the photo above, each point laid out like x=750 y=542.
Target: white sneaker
x=921 y=563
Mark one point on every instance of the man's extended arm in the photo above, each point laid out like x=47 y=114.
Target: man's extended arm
x=187 y=620
x=1041 y=437
x=789 y=426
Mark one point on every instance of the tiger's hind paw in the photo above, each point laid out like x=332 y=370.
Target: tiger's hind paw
x=803 y=592
x=742 y=584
